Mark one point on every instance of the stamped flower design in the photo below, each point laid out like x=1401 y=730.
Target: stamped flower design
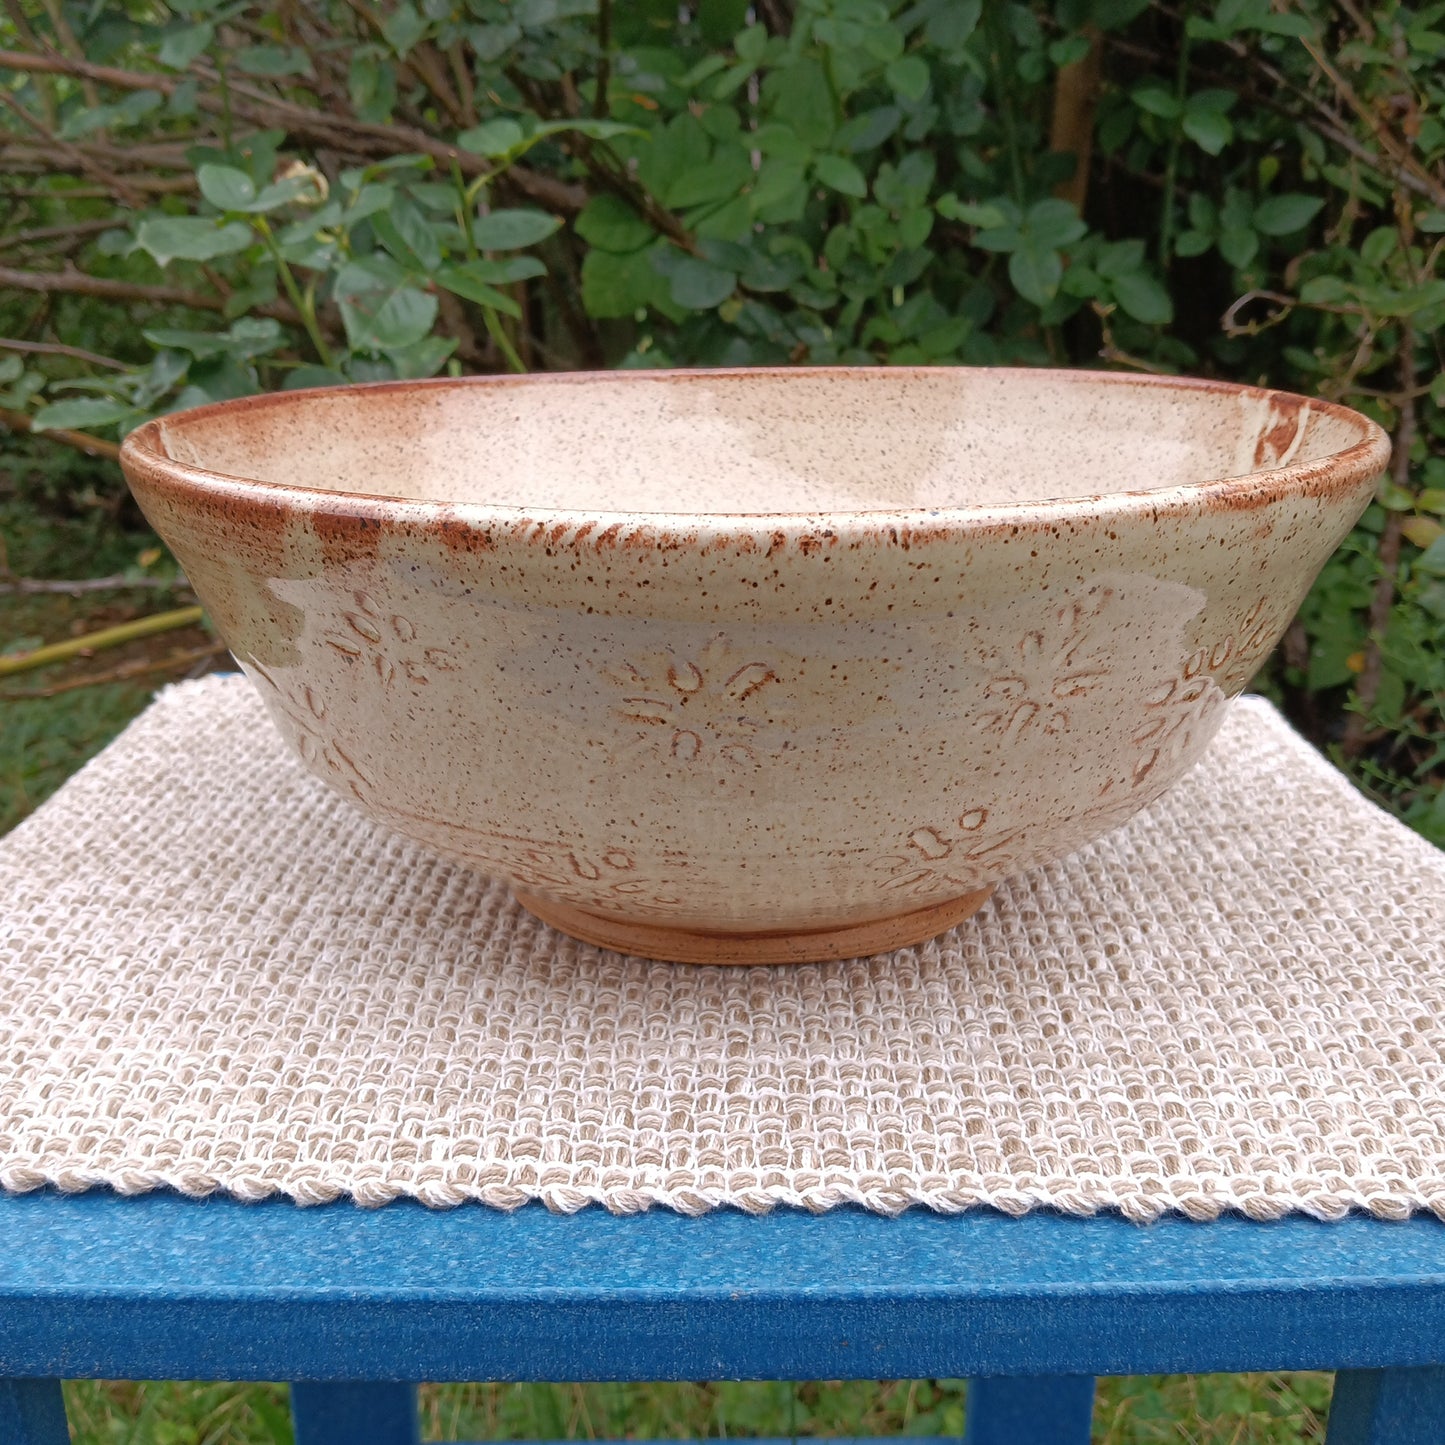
x=387 y=643
x=1236 y=656
x=962 y=855
x=305 y=709
x=1036 y=683
x=609 y=880
x=706 y=707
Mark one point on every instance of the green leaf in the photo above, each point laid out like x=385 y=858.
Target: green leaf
x=308 y=375
x=475 y=281
x=1035 y=272
x=273 y=60
x=1431 y=221
x=1432 y=560
x=191 y=238
x=181 y=47
x=226 y=187
x=723 y=176
x=11 y=368
x=422 y=358
x=618 y=285
x=840 y=174
x=693 y=283
x=984 y=214
x=1238 y=245
x=1143 y=298
x=503 y=270
x=1193 y=243
x=1209 y=130
x=1151 y=96
x=402 y=29
x=81 y=413
x=592 y=129
x=1284 y=215
x=908 y=75
x=799 y=96
x=1326 y=291
x=1379 y=245
x=492 y=138
x=408 y=235
x=868 y=131
x=610 y=224
x=951 y=24
x=1053 y=223
x=380 y=307
x=247 y=337
x=511 y=230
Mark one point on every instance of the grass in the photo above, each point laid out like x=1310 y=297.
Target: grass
x=43 y=739
x=1181 y=1409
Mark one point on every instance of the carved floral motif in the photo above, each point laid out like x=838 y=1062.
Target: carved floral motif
x=1036 y=683
x=387 y=643
x=305 y=709
x=702 y=708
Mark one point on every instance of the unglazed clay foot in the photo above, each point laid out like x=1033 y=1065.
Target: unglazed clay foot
x=681 y=945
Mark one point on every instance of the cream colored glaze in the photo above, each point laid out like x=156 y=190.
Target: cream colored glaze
x=755 y=652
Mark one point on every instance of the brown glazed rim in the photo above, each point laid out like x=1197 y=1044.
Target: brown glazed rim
x=1334 y=476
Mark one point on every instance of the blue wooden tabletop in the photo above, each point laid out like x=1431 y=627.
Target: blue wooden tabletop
x=162 y=1287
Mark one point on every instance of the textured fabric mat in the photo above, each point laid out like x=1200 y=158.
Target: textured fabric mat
x=216 y=975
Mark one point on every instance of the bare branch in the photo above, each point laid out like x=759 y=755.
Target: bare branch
x=77 y=229
x=76 y=283
x=82 y=441
x=55 y=348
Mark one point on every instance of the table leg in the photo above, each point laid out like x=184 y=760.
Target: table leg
x=1388 y=1407
x=1043 y=1410
x=368 y=1413
x=32 y=1412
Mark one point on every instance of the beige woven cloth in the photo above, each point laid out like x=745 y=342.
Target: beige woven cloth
x=216 y=975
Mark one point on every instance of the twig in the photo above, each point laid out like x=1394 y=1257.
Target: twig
x=1367 y=689
x=79 y=587
x=73 y=282
x=604 y=58
x=56 y=233
x=56 y=348
x=185 y=657
x=1071 y=125
x=369 y=138
x=81 y=441
x=96 y=641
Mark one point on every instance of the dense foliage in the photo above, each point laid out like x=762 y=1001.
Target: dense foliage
x=211 y=197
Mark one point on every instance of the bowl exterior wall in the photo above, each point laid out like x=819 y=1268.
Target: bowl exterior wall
x=744 y=732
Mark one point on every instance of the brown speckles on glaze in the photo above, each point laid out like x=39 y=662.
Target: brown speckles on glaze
x=346 y=537
x=778 y=654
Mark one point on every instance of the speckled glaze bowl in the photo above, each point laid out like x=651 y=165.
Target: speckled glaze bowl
x=755 y=666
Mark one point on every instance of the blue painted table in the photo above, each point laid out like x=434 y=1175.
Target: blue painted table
x=353 y=1305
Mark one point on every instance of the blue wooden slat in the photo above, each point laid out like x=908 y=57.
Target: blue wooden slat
x=160 y=1287
x=1388 y=1407
x=355 y=1413
x=32 y=1412
x=1041 y=1411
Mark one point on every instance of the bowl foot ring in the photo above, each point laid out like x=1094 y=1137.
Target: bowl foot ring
x=682 y=945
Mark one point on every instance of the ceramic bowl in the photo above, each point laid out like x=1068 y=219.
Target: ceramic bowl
x=755 y=666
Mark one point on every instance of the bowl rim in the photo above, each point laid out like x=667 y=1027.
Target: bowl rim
x=1335 y=476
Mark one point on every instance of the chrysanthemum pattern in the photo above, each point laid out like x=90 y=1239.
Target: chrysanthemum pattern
x=387 y=644
x=612 y=880
x=708 y=708
x=1036 y=684
x=954 y=857
x=305 y=709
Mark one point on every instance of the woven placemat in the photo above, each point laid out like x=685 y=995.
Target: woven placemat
x=214 y=974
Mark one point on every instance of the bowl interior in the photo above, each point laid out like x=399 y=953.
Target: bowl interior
x=760 y=442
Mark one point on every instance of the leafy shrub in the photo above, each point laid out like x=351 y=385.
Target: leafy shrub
x=215 y=198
